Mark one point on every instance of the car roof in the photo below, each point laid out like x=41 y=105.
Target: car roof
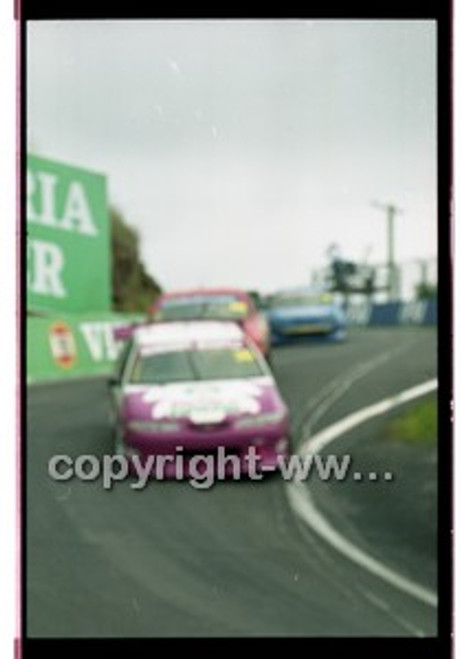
x=204 y=291
x=307 y=292
x=188 y=334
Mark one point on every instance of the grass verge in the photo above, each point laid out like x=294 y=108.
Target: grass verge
x=417 y=425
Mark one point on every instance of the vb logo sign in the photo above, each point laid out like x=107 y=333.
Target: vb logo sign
x=62 y=344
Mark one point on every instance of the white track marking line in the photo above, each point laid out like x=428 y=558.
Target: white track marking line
x=317 y=442
x=334 y=389
x=343 y=384
x=337 y=387
x=302 y=502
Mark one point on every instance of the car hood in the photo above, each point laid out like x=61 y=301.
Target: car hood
x=313 y=312
x=202 y=402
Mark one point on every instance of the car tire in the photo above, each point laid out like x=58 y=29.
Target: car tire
x=118 y=444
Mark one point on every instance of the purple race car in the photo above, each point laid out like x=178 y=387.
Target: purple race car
x=197 y=388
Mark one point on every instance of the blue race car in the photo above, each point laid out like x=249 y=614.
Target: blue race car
x=298 y=315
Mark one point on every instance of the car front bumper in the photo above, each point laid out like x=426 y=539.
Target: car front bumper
x=180 y=458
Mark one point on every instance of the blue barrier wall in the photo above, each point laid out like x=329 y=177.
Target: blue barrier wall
x=431 y=313
x=419 y=312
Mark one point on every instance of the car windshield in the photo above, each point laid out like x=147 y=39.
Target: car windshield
x=187 y=365
x=226 y=307
x=300 y=300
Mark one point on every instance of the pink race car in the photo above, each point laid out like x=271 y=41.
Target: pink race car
x=197 y=388
x=216 y=304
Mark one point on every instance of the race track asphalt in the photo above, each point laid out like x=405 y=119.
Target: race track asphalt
x=172 y=561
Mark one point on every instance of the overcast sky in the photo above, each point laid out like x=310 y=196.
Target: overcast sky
x=242 y=149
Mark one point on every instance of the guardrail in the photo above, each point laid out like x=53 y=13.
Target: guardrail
x=67 y=346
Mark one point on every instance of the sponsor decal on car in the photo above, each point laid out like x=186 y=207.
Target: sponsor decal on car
x=206 y=400
x=238 y=307
x=243 y=355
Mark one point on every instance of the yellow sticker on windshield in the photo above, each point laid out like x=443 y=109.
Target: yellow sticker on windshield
x=243 y=356
x=238 y=307
x=326 y=298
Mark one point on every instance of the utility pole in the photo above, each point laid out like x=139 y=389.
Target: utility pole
x=424 y=282
x=391 y=212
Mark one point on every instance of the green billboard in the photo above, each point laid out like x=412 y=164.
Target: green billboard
x=67 y=346
x=68 y=238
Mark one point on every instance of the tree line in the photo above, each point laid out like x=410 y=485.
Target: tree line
x=133 y=288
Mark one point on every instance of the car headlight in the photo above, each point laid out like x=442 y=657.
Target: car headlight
x=153 y=426
x=259 y=420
